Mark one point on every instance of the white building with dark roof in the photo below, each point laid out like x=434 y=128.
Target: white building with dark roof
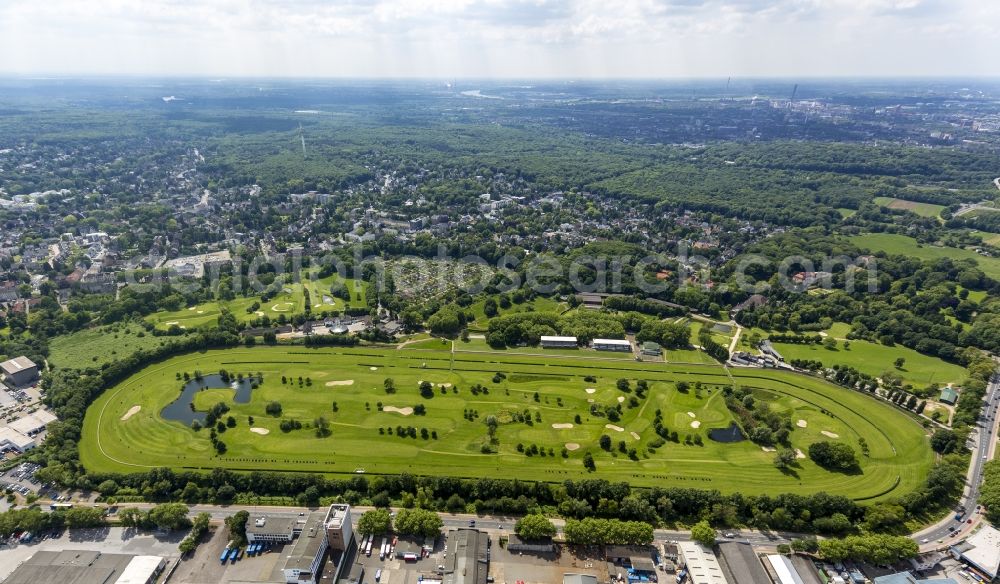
x=554 y=342
x=612 y=345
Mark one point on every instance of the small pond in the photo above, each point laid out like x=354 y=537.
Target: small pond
x=730 y=434
x=180 y=410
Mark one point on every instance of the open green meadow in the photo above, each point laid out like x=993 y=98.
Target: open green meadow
x=990 y=238
x=874 y=359
x=536 y=403
x=97 y=346
x=892 y=243
x=922 y=209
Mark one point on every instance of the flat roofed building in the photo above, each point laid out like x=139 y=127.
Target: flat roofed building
x=304 y=563
x=579 y=579
x=19 y=371
x=33 y=423
x=533 y=546
x=612 y=345
x=651 y=348
x=794 y=570
x=270 y=528
x=741 y=564
x=86 y=567
x=467 y=561
x=10 y=438
x=553 y=342
x=908 y=578
x=142 y=570
x=701 y=564
x=338 y=526
x=982 y=551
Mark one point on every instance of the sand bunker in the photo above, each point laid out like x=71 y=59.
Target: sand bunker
x=341 y=382
x=373 y=368
x=635 y=435
x=696 y=424
x=131 y=412
x=193 y=308
x=621 y=399
x=802 y=423
x=405 y=411
x=171 y=323
x=562 y=426
x=201 y=312
x=591 y=390
x=437 y=384
x=692 y=414
x=590 y=400
x=768 y=449
x=615 y=428
x=572 y=446
x=261 y=431
x=830 y=434
x=799 y=454
x=259 y=313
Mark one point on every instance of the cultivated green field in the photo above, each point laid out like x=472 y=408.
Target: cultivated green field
x=113 y=440
x=892 y=243
x=97 y=346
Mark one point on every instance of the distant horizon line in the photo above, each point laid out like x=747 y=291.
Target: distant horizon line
x=452 y=79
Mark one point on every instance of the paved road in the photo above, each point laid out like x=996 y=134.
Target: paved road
x=495 y=524
x=985 y=436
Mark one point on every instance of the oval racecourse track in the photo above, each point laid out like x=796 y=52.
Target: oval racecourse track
x=542 y=404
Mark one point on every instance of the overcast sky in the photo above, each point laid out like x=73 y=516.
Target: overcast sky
x=501 y=38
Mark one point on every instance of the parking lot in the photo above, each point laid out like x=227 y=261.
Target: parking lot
x=397 y=571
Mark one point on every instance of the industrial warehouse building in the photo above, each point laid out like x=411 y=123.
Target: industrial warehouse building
x=741 y=564
x=33 y=423
x=468 y=557
x=19 y=372
x=11 y=439
x=20 y=434
x=87 y=567
x=551 y=342
x=981 y=551
x=612 y=345
x=795 y=570
x=700 y=563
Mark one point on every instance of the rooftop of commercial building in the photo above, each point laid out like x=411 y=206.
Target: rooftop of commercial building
x=312 y=538
x=81 y=567
x=261 y=524
x=741 y=564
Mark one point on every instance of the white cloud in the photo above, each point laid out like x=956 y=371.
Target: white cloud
x=576 y=38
